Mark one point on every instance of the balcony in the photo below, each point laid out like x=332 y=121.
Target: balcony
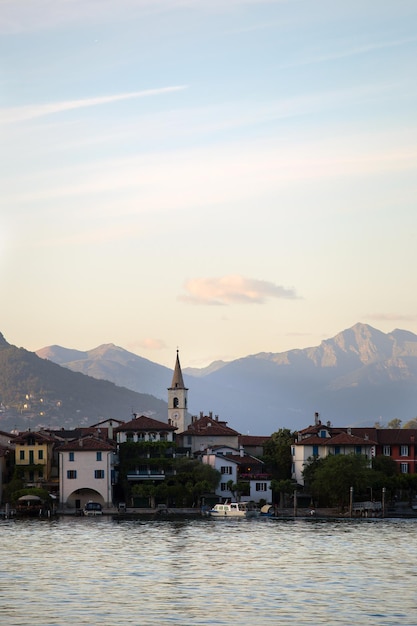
x=254 y=476
x=148 y=474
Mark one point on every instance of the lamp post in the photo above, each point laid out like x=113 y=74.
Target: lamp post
x=350 y=501
x=383 y=501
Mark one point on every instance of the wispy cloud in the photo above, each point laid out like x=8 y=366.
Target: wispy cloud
x=232 y=289
x=22 y=113
x=392 y=317
x=313 y=59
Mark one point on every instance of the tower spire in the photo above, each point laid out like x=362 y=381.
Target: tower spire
x=177 y=379
x=177 y=399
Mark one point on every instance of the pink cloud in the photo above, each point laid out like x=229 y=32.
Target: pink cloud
x=232 y=289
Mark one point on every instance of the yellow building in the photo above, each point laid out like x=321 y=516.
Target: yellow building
x=33 y=455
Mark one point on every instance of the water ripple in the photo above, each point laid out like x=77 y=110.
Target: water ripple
x=100 y=571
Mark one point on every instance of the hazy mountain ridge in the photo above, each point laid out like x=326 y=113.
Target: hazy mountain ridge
x=359 y=376
x=37 y=392
x=110 y=362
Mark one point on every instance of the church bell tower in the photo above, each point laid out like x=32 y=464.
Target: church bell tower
x=177 y=400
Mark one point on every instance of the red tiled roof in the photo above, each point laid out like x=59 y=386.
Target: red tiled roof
x=143 y=423
x=391 y=436
x=346 y=439
x=253 y=440
x=312 y=441
x=24 y=436
x=87 y=444
x=207 y=424
x=242 y=460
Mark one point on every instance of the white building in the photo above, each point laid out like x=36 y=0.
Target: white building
x=86 y=472
x=320 y=440
x=142 y=428
x=236 y=466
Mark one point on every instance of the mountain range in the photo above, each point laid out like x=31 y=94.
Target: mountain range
x=359 y=377
x=36 y=392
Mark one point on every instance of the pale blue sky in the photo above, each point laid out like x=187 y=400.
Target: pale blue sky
x=228 y=177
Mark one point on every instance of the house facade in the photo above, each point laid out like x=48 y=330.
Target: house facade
x=86 y=472
x=146 y=453
x=320 y=440
x=235 y=466
x=34 y=456
x=205 y=432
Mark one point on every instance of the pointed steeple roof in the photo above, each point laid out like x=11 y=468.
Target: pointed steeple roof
x=177 y=379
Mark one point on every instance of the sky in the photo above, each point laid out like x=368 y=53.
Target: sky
x=222 y=177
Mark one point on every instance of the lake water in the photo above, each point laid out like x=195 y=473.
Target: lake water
x=199 y=571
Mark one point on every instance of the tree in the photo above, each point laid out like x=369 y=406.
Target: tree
x=394 y=423
x=334 y=475
x=411 y=423
x=277 y=454
x=283 y=488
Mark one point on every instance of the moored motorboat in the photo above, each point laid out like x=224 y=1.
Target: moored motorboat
x=233 y=509
x=93 y=508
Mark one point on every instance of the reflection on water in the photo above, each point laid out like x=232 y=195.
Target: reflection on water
x=100 y=571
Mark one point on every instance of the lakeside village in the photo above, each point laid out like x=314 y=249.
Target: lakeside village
x=199 y=465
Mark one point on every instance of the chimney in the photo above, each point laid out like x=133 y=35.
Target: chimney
x=110 y=430
x=316 y=419
x=211 y=415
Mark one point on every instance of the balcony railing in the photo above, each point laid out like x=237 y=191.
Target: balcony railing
x=254 y=476
x=149 y=474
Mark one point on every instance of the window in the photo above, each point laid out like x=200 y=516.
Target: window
x=223 y=486
x=293 y=450
x=98 y=456
x=71 y=456
x=129 y=437
x=323 y=434
x=404 y=468
x=22 y=455
x=261 y=486
x=337 y=449
x=386 y=451
x=404 y=451
x=315 y=451
x=358 y=449
x=40 y=474
x=31 y=457
x=40 y=455
x=71 y=474
x=98 y=473
x=225 y=470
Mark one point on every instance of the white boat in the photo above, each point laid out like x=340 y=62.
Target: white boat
x=233 y=509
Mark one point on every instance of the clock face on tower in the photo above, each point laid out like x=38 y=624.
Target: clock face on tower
x=175 y=416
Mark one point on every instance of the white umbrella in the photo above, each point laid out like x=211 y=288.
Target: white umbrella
x=29 y=498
